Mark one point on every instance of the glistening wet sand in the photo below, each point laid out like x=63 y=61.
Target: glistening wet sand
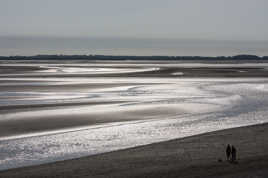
x=52 y=111
x=47 y=86
x=195 y=156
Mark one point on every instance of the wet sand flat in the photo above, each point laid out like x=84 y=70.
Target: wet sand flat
x=71 y=69
x=51 y=111
x=196 y=156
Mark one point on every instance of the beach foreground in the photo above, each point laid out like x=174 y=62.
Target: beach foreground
x=196 y=156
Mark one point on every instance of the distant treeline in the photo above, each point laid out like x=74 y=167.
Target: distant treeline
x=107 y=57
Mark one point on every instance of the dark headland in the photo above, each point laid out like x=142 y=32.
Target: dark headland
x=109 y=57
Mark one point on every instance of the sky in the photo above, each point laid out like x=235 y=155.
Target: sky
x=134 y=27
x=180 y=19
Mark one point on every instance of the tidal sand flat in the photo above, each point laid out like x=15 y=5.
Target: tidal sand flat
x=52 y=112
x=196 y=156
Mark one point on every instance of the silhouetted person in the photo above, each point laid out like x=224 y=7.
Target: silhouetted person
x=233 y=154
x=228 y=152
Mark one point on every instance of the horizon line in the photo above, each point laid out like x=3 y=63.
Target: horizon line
x=133 y=56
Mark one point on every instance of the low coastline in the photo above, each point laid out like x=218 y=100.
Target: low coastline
x=196 y=156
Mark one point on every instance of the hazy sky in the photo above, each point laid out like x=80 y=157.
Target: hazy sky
x=205 y=19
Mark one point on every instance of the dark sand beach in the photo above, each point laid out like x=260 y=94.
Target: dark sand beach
x=196 y=156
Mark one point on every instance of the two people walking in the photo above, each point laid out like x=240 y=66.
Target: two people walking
x=231 y=153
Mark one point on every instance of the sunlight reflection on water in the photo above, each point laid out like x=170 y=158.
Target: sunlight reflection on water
x=203 y=105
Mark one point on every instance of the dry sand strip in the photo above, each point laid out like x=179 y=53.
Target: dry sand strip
x=196 y=156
